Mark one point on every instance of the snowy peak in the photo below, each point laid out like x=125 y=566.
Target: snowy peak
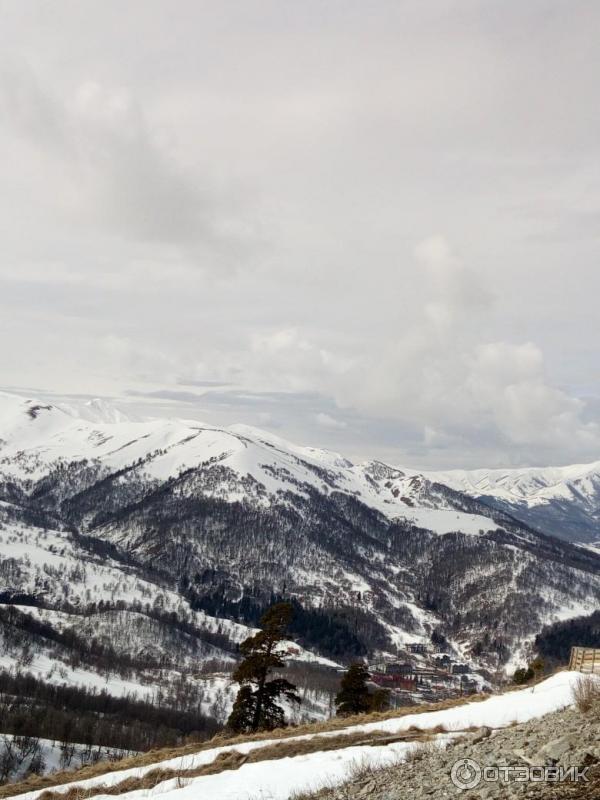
x=255 y=466
x=14 y=410
x=532 y=485
x=99 y=411
x=36 y=436
x=26 y=422
x=232 y=515
x=563 y=501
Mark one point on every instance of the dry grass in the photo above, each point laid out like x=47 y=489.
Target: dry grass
x=363 y=768
x=586 y=694
x=233 y=759
x=37 y=783
x=224 y=761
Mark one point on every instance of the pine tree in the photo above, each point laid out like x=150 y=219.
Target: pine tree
x=240 y=719
x=256 y=707
x=353 y=697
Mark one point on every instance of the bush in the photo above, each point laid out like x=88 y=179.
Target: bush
x=586 y=693
x=523 y=675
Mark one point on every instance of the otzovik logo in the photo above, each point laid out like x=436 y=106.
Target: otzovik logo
x=468 y=773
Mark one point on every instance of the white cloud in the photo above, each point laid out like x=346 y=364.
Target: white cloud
x=112 y=170
x=327 y=421
x=445 y=378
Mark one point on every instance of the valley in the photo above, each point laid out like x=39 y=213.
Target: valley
x=135 y=556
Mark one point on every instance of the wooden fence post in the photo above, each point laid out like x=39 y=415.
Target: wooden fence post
x=585 y=659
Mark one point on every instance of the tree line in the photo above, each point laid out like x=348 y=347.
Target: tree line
x=555 y=641
x=31 y=707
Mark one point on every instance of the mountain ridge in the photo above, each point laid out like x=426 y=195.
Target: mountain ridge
x=229 y=517
x=562 y=501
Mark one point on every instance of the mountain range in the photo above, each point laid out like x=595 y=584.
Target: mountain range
x=208 y=525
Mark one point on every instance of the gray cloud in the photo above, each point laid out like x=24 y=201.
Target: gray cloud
x=371 y=229
x=113 y=170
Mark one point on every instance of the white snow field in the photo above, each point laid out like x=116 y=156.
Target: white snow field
x=37 y=435
x=530 y=485
x=280 y=779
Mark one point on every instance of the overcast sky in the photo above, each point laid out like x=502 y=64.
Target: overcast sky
x=373 y=226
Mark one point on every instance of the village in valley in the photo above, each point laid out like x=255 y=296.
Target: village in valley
x=423 y=673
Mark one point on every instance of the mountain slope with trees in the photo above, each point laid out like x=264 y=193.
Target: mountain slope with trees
x=199 y=529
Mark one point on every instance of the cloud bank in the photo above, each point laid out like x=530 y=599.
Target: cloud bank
x=372 y=231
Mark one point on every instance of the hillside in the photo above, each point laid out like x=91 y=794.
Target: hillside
x=167 y=517
x=562 y=501
x=283 y=767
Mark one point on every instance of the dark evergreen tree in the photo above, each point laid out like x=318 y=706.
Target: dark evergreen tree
x=242 y=713
x=353 y=697
x=379 y=700
x=256 y=706
x=534 y=670
x=523 y=675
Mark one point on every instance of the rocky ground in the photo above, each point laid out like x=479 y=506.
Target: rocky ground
x=564 y=739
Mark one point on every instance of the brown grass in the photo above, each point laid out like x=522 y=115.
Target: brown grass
x=224 y=761
x=586 y=694
x=37 y=782
x=233 y=759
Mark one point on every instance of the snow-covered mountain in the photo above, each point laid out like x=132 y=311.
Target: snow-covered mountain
x=563 y=501
x=36 y=439
x=225 y=519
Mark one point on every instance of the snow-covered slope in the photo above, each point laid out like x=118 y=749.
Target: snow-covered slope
x=36 y=437
x=285 y=777
x=563 y=501
x=226 y=518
